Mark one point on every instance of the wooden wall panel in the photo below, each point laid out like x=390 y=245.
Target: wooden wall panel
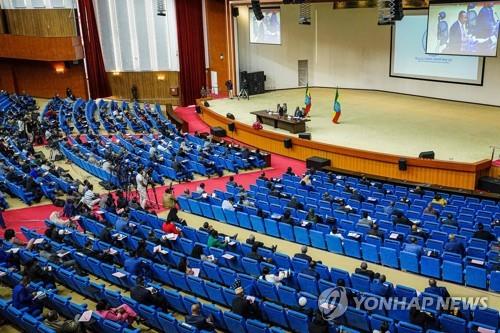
x=443 y=173
x=41 y=22
x=2 y=21
x=41 y=48
x=40 y=79
x=217 y=41
x=152 y=86
x=7 y=77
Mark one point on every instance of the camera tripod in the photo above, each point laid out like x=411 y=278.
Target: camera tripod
x=243 y=94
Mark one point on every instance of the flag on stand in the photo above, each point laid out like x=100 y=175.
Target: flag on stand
x=336 y=107
x=307 y=101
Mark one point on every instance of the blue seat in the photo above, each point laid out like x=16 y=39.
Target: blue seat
x=286 y=231
x=389 y=257
x=168 y=322
x=299 y=322
x=251 y=266
x=453 y=272
x=287 y=296
x=197 y=286
x=256 y=326
x=271 y=227
x=488 y=317
x=282 y=260
x=214 y=292
x=403 y=292
x=341 y=274
x=244 y=220
x=475 y=276
x=357 y=319
x=317 y=239
x=370 y=252
x=206 y=210
x=267 y=290
x=352 y=248
x=275 y=314
x=257 y=224
x=377 y=320
x=308 y=284
x=234 y=323
x=405 y=327
x=149 y=314
x=360 y=282
x=219 y=213
x=452 y=324
x=174 y=300
x=215 y=313
x=334 y=244
x=495 y=281
x=430 y=266
x=409 y=261
x=301 y=235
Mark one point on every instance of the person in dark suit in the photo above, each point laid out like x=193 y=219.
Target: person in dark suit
x=22 y=297
x=483 y=234
x=143 y=295
x=244 y=307
x=374 y=231
x=363 y=270
x=303 y=254
x=401 y=219
x=318 y=324
x=454 y=246
x=486 y=25
x=311 y=270
x=434 y=289
x=198 y=320
x=458 y=34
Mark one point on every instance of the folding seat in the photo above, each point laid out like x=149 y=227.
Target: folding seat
x=149 y=314
x=377 y=320
x=197 y=286
x=352 y=248
x=370 y=252
x=453 y=271
x=110 y=270
x=357 y=319
x=282 y=260
x=184 y=204
x=299 y=264
x=95 y=267
x=495 y=281
x=275 y=314
x=298 y=321
x=478 y=243
x=194 y=207
x=244 y=220
x=228 y=276
x=186 y=328
x=360 y=282
x=206 y=210
x=256 y=326
x=231 y=217
x=161 y=273
x=301 y=235
x=452 y=324
x=251 y=266
x=488 y=317
x=476 y=252
x=234 y=323
x=334 y=244
x=179 y=279
x=29 y=323
x=286 y=231
x=287 y=296
x=405 y=327
x=409 y=261
x=340 y=274
x=430 y=266
x=214 y=292
x=109 y=326
x=308 y=284
x=399 y=312
x=267 y=290
x=475 y=276
x=257 y=224
x=42 y=328
x=229 y=295
x=271 y=227
x=114 y=298
x=168 y=322
x=219 y=214
x=211 y=310
x=189 y=301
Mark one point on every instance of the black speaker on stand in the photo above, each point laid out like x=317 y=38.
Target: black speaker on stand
x=235 y=11
x=231 y=127
x=403 y=165
x=427 y=154
x=287 y=143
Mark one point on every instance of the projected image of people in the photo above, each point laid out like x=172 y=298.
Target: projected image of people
x=267 y=30
x=470 y=32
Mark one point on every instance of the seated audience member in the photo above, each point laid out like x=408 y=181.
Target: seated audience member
x=357 y=196
x=294 y=203
x=214 y=241
x=349 y=293
x=147 y=296
x=245 y=307
x=122 y=313
x=421 y=318
x=9 y=236
x=449 y=220
x=262 y=214
x=413 y=247
x=289 y=171
x=90 y=199
x=62 y=325
x=231 y=181
x=303 y=254
x=439 y=200
x=134 y=265
x=200 y=188
x=390 y=210
x=380 y=287
x=418 y=190
x=121 y=201
x=287 y=217
x=311 y=270
x=168 y=199
x=36 y=273
x=418 y=232
x=306 y=180
x=198 y=253
x=170 y=228
x=318 y=324
x=263 y=176
x=454 y=246
x=312 y=217
x=198 y=320
x=254 y=255
x=206 y=227
x=434 y=289
x=334 y=232
x=430 y=210
x=183 y=267
x=363 y=270
x=483 y=234
x=401 y=219
x=22 y=297
x=251 y=241
x=228 y=204
x=174 y=218
x=365 y=220
x=374 y=231
x=272 y=278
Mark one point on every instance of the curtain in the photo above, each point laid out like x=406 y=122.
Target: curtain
x=191 y=49
x=98 y=79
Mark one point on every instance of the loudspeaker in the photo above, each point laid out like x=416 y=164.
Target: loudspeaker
x=235 y=11
x=306 y=136
x=206 y=104
x=218 y=131
x=231 y=127
x=489 y=184
x=198 y=109
x=257 y=11
x=403 y=166
x=288 y=143
x=317 y=162
x=427 y=154
x=229 y=115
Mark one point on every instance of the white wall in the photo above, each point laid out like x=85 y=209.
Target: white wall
x=37 y=4
x=347 y=48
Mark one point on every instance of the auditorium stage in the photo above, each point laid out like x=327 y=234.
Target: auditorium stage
x=385 y=122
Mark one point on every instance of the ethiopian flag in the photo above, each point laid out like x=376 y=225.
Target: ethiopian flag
x=336 y=107
x=307 y=101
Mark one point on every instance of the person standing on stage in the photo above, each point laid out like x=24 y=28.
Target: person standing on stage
x=141 y=181
x=336 y=108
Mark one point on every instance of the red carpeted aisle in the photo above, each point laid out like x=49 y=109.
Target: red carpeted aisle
x=33 y=217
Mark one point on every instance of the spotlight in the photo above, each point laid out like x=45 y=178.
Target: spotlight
x=161 y=8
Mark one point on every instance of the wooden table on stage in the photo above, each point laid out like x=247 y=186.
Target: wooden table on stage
x=290 y=124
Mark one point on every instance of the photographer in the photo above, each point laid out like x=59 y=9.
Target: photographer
x=141 y=185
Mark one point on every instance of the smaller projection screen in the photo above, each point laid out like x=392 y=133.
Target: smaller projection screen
x=467 y=28
x=267 y=30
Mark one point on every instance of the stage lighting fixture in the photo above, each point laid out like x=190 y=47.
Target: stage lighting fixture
x=257 y=11
x=305 y=13
x=161 y=8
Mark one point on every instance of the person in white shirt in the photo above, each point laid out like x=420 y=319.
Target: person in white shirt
x=89 y=198
x=227 y=204
x=200 y=188
x=106 y=166
x=336 y=233
x=141 y=187
x=269 y=277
